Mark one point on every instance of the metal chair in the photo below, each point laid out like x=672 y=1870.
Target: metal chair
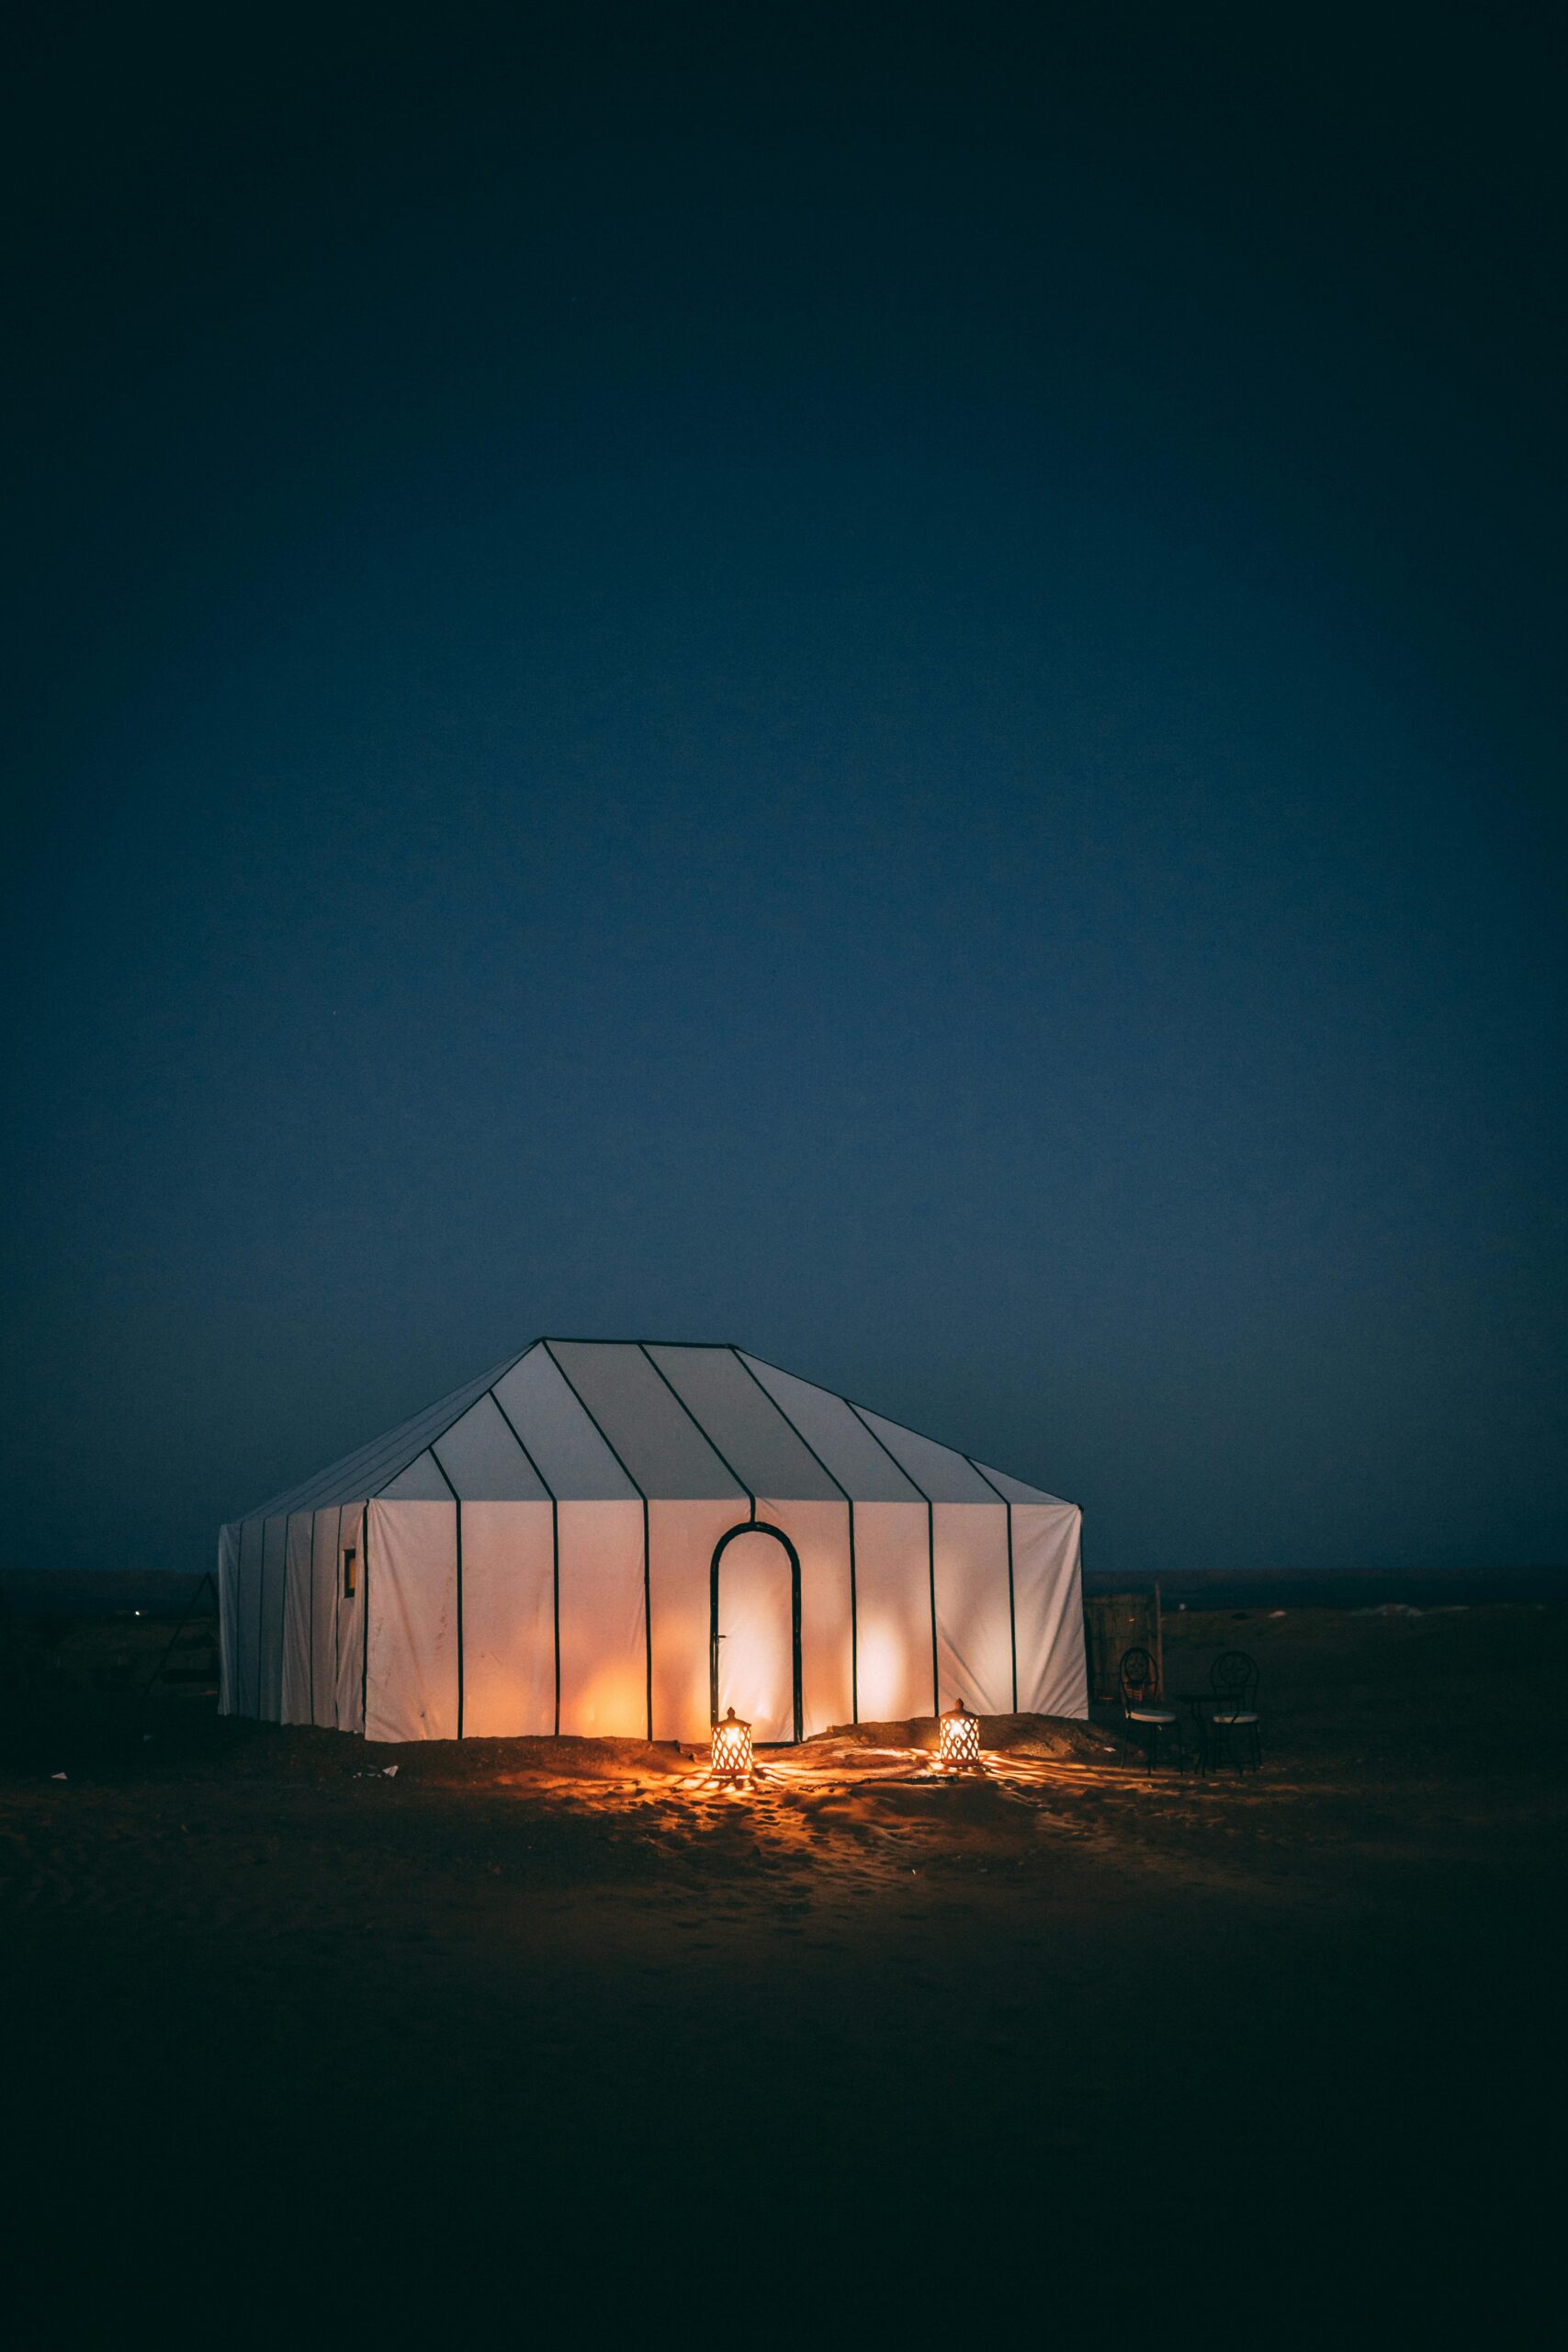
x=1233 y=1727
x=1144 y=1714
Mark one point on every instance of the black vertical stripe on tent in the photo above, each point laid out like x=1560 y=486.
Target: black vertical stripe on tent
x=311 y=1654
x=647 y=1621
x=1012 y=1608
x=283 y=1604
x=261 y=1611
x=225 y=1664
x=261 y=1632
x=253 y=1617
x=337 y=1613
x=365 y=1623
x=238 y=1618
x=850 y=1503
x=855 y=1623
x=282 y=1618
x=555 y=1531
x=930 y=1557
x=703 y=1433
x=261 y=1607
x=329 y=1712
x=457 y=1501
x=931 y=1546
x=647 y=1577
x=1012 y=1614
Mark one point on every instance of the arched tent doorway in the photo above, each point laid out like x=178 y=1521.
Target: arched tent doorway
x=754 y=1631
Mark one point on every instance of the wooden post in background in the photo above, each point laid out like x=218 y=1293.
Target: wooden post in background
x=1159 y=1641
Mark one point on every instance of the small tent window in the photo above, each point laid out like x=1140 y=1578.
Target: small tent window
x=350 y=1574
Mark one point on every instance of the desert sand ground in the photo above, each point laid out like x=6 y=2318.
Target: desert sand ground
x=526 y=2034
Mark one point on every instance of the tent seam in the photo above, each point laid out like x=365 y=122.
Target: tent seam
x=930 y=1538
x=365 y=1631
x=1012 y=1613
x=555 y=1522
x=647 y=1569
x=432 y=1442
x=707 y=1437
x=850 y=1502
x=458 y=1506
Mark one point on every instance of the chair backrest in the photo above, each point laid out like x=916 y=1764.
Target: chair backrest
x=1232 y=1675
x=1136 y=1677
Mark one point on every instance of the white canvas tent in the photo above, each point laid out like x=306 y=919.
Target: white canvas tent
x=615 y=1538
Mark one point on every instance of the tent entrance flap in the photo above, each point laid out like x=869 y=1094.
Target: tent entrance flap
x=754 y=1638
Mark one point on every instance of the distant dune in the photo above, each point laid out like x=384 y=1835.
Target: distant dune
x=1336 y=1587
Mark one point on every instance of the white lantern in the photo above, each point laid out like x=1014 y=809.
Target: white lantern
x=958 y=1738
x=731 y=1750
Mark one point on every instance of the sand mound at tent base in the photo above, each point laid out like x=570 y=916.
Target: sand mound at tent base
x=861 y=1748
x=1055 y=1736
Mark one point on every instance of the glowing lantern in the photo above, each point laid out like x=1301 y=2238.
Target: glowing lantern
x=958 y=1733
x=731 y=1748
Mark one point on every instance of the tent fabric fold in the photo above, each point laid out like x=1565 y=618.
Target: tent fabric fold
x=544 y=1551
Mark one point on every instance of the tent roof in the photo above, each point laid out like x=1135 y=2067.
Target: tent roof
x=598 y=1420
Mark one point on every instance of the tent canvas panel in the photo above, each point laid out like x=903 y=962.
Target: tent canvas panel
x=247 y=1615
x=1052 y=1678
x=682 y=1536
x=323 y=1618
x=604 y=1656
x=973 y=1621
x=228 y=1617
x=820 y=1533
x=654 y=1434
x=509 y=1620
x=743 y=1421
x=295 y=1696
x=836 y=1433
x=247 y=1607
x=481 y=1456
x=1013 y=1490
x=571 y=1455
x=940 y=1474
x=269 y=1618
x=420 y=1482
x=411 y=1680
x=349 y=1620
x=893 y=1611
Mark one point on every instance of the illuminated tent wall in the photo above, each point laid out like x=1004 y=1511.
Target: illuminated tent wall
x=536 y=1554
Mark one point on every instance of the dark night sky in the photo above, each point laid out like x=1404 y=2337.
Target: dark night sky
x=885 y=684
